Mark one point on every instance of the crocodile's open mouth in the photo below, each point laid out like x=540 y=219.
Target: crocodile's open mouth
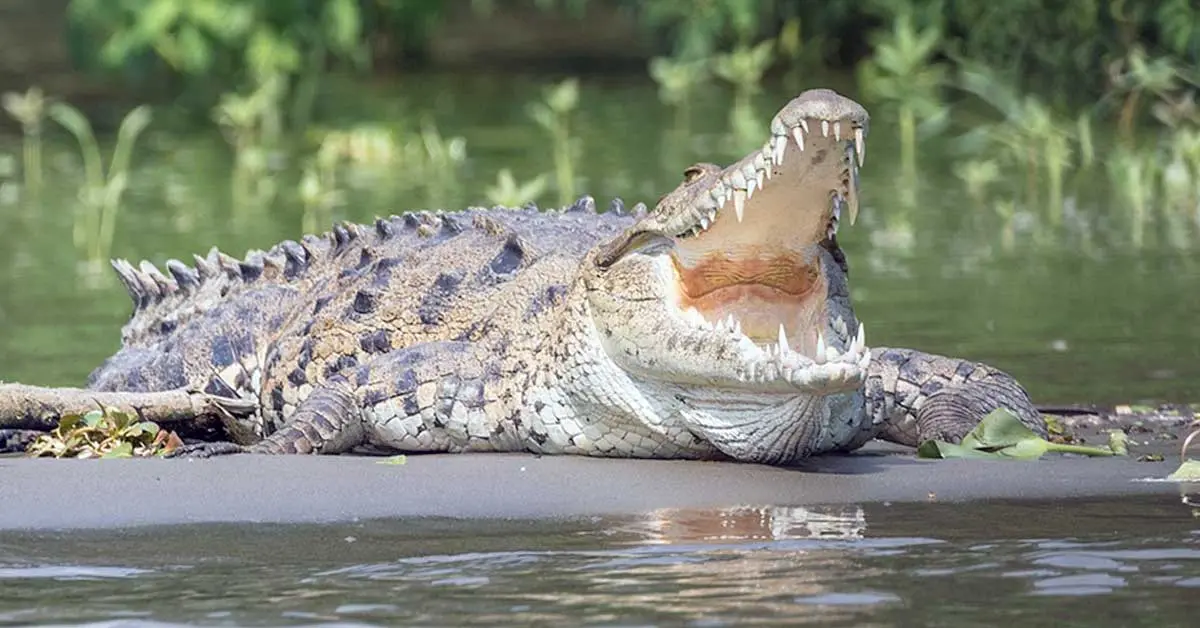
x=751 y=259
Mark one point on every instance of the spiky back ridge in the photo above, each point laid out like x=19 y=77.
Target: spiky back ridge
x=166 y=301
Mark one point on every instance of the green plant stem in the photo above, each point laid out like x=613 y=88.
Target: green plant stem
x=1064 y=448
x=908 y=141
x=32 y=152
x=564 y=169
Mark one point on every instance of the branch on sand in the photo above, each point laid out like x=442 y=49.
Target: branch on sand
x=37 y=408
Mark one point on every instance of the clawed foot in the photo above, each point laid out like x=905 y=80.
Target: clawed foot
x=206 y=450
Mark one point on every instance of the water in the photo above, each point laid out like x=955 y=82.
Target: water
x=1098 y=563
x=1076 y=312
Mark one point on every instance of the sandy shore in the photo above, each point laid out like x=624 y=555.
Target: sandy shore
x=51 y=494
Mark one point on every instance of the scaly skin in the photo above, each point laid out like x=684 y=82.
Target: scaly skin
x=716 y=325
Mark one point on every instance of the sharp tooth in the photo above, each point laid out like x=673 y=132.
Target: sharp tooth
x=860 y=340
x=819 y=358
x=778 y=149
x=837 y=131
x=770 y=371
x=839 y=325
x=761 y=176
x=783 y=341
x=750 y=175
x=825 y=128
x=798 y=134
x=736 y=180
x=739 y=203
x=860 y=145
x=704 y=224
x=804 y=124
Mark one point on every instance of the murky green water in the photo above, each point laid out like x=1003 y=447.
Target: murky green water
x=1076 y=311
x=1095 y=563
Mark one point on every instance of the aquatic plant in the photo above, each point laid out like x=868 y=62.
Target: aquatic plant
x=1002 y=436
x=509 y=193
x=677 y=82
x=1132 y=173
x=102 y=189
x=1030 y=135
x=29 y=110
x=318 y=192
x=1135 y=76
x=903 y=73
x=9 y=191
x=553 y=114
x=105 y=433
x=230 y=44
x=744 y=67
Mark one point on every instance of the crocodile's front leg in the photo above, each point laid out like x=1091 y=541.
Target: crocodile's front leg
x=920 y=396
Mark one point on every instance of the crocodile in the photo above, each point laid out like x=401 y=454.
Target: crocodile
x=715 y=325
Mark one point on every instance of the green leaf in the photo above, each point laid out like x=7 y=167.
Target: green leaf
x=158 y=19
x=343 y=25
x=93 y=418
x=1189 y=471
x=195 y=53
x=937 y=449
x=69 y=422
x=401 y=459
x=124 y=450
x=1002 y=436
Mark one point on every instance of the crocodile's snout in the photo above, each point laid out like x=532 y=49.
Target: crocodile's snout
x=748 y=248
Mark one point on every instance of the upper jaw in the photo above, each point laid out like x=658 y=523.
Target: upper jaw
x=809 y=128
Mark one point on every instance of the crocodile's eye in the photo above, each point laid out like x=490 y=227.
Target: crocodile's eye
x=632 y=241
x=692 y=173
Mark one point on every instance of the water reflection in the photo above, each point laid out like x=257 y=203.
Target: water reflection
x=1106 y=562
x=754 y=524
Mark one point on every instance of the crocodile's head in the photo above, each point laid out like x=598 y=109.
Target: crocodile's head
x=732 y=290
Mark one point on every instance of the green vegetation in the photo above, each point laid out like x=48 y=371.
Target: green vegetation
x=1002 y=436
x=100 y=196
x=1036 y=108
x=552 y=113
x=106 y=433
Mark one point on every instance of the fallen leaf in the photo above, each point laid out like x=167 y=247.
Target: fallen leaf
x=1001 y=435
x=1189 y=471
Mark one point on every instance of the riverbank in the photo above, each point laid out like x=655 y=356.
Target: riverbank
x=80 y=494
